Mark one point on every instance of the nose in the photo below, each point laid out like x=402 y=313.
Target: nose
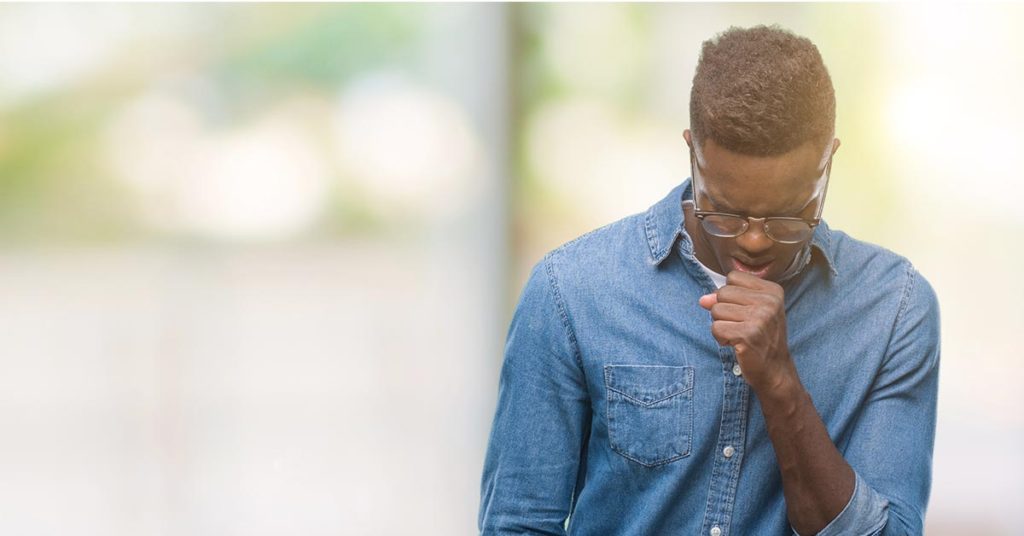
x=754 y=241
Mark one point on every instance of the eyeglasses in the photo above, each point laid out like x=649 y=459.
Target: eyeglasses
x=782 y=229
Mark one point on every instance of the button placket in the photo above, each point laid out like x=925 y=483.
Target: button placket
x=725 y=472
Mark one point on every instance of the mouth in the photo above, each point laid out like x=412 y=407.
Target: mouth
x=758 y=270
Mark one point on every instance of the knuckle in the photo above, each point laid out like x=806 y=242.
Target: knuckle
x=764 y=315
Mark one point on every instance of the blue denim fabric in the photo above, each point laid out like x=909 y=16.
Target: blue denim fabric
x=616 y=405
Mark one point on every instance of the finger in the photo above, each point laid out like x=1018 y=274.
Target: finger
x=726 y=332
x=730 y=311
x=707 y=300
x=738 y=295
x=743 y=279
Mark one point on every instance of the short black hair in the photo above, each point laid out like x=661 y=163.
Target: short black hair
x=761 y=91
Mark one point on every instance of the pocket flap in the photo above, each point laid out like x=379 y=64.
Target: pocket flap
x=648 y=384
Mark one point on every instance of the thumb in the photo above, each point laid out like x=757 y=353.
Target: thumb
x=707 y=300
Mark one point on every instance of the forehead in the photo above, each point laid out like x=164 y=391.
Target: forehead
x=760 y=185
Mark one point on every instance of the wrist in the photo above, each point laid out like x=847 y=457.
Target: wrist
x=782 y=390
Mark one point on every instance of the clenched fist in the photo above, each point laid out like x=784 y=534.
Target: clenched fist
x=749 y=314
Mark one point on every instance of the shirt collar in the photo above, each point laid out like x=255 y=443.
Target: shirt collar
x=663 y=225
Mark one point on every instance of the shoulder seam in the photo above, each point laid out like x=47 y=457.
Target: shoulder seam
x=908 y=289
x=566 y=325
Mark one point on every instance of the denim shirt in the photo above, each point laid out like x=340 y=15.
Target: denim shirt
x=618 y=410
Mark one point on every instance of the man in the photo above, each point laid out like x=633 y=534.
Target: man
x=724 y=363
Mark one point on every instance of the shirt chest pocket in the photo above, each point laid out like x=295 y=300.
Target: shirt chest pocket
x=650 y=412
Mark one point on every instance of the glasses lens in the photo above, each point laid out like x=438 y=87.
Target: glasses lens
x=789 y=230
x=724 y=226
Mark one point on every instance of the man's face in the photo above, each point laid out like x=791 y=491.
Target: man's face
x=785 y=185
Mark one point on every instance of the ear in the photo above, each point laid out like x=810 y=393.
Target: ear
x=835 y=146
x=689 y=138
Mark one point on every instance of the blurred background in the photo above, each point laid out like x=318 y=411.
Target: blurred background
x=257 y=261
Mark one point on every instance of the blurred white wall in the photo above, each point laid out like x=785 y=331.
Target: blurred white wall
x=245 y=375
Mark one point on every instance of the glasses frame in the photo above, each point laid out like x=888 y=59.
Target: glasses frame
x=748 y=220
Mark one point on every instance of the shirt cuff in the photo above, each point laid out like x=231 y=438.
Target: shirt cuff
x=864 y=515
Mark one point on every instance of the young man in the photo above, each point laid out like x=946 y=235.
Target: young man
x=724 y=363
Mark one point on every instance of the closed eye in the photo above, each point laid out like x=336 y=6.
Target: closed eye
x=792 y=212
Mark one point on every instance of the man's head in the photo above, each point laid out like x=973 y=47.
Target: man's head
x=762 y=117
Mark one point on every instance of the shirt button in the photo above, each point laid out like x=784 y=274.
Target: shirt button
x=728 y=451
x=736 y=369
x=715 y=531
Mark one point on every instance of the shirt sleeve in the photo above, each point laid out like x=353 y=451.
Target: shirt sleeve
x=891 y=445
x=541 y=420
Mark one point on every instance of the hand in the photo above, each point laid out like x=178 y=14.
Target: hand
x=749 y=314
